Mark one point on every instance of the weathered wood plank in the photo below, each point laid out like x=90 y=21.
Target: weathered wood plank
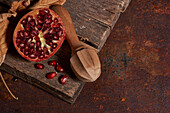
x=92 y=19
x=96 y=9
x=18 y=66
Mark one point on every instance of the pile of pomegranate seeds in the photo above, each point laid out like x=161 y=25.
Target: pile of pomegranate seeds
x=62 y=79
x=39 y=35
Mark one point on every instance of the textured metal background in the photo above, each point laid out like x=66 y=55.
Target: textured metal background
x=135 y=70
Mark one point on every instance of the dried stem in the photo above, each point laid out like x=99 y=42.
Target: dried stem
x=7 y=87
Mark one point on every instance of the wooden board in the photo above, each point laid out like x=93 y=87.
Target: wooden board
x=92 y=19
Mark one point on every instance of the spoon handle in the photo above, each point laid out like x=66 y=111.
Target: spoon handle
x=71 y=35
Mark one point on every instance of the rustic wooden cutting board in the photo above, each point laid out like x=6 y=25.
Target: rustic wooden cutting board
x=93 y=19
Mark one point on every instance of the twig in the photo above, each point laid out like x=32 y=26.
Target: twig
x=7 y=87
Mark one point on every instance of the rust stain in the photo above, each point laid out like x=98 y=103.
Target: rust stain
x=123 y=99
x=128 y=29
x=157 y=8
x=101 y=107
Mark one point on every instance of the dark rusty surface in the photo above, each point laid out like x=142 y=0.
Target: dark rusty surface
x=134 y=78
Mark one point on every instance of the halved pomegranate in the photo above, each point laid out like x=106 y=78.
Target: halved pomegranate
x=39 y=34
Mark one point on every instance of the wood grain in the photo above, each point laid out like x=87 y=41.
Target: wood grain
x=92 y=19
x=135 y=71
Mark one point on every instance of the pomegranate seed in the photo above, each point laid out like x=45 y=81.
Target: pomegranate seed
x=39 y=66
x=32 y=44
x=23 y=21
x=21 y=45
x=63 y=79
x=52 y=63
x=39 y=26
x=49 y=43
x=40 y=17
x=29 y=17
x=26 y=52
x=48 y=21
x=26 y=47
x=21 y=33
x=55 y=38
x=47 y=53
x=33 y=56
x=31 y=50
x=26 y=34
x=59 y=33
x=41 y=56
x=46 y=11
x=40 y=21
x=51 y=49
x=55 y=20
x=38 y=48
x=51 y=75
x=59 y=68
x=27 y=27
x=54 y=46
x=32 y=22
x=38 y=44
x=22 y=49
x=41 y=12
x=18 y=40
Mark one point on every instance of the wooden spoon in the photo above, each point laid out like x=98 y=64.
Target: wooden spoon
x=84 y=60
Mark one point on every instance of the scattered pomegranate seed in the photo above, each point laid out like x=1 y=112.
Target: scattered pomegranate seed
x=53 y=63
x=39 y=66
x=63 y=79
x=51 y=75
x=59 y=68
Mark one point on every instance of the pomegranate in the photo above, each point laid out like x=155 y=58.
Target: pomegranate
x=39 y=34
x=51 y=75
x=39 y=66
x=53 y=63
x=63 y=79
x=59 y=68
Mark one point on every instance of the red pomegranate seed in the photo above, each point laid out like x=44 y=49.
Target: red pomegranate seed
x=29 y=17
x=52 y=63
x=39 y=66
x=59 y=68
x=63 y=79
x=41 y=56
x=33 y=56
x=55 y=20
x=51 y=75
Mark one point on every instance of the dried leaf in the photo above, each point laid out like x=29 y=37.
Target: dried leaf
x=47 y=3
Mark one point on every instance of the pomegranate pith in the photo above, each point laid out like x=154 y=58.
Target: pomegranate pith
x=39 y=34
